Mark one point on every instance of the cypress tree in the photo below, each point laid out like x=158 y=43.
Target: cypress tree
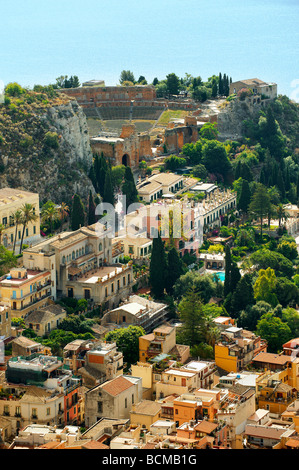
x=129 y=188
x=245 y=196
x=280 y=185
x=108 y=195
x=228 y=266
x=78 y=213
x=174 y=269
x=243 y=295
x=91 y=218
x=158 y=267
x=220 y=85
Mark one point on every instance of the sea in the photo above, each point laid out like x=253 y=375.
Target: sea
x=40 y=41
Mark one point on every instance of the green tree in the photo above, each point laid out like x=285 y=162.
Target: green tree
x=7 y=260
x=264 y=286
x=215 y=159
x=173 y=84
x=50 y=214
x=288 y=248
x=158 y=267
x=206 y=285
x=274 y=331
x=173 y=162
x=209 y=131
x=108 y=195
x=264 y=258
x=174 y=269
x=17 y=217
x=91 y=216
x=127 y=341
x=232 y=273
x=127 y=76
x=245 y=196
x=78 y=213
x=243 y=295
x=192 y=318
x=129 y=187
x=260 y=203
x=286 y=292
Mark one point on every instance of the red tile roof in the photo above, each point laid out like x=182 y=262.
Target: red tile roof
x=116 y=386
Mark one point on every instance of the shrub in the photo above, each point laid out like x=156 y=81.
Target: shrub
x=51 y=140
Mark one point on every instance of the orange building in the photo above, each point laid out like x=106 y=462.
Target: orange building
x=198 y=405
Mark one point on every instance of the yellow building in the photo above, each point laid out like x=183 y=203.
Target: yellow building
x=12 y=200
x=237 y=348
x=145 y=413
x=161 y=341
x=276 y=397
x=5 y=321
x=26 y=290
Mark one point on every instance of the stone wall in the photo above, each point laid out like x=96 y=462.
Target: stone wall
x=91 y=96
x=176 y=137
x=128 y=149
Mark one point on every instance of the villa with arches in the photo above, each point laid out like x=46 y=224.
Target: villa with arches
x=81 y=266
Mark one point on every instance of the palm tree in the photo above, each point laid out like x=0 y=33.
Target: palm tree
x=64 y=211
x=28 y=215
x=50 y=215
x=18 y=220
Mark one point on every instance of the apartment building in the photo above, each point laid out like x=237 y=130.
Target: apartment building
x=197 y=404
x=25 y=405
x=237 y=348
x=44 y=319
x=113 y=399
x=175 y=381
x=161 y=341
x=5 y=321
x=145 y=413
x=12 y=200
x=238 y=405
x=137 y=310
x=102 y=362
x=81 y=266
x=205 y=371
x=47 y=372
x=159 y=185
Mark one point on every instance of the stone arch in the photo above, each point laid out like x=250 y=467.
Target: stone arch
x=125 y=160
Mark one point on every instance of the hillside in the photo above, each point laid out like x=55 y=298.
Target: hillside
x=44 y=144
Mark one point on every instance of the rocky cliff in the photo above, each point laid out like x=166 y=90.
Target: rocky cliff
x=233 y=113
x=45 y=146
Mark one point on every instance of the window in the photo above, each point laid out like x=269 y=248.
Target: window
x=27 y=232
x=4 y=221
x=34 y=413
x=34 y=229
x=100 y=407
x=126 y=402
x=132 y=398
x=48 y=411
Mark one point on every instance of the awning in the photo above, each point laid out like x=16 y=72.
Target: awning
x=72 y=270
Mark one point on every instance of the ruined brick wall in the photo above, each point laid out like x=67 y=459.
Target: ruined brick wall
x=91 y=96
x=136 y=147
x=175 y=138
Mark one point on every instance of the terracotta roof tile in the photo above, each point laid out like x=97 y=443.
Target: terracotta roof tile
x=116 y=386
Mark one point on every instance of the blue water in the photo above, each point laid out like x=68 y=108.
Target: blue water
x=97 y=40
x=220 y=275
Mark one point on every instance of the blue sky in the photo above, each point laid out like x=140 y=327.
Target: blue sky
x=97 y=40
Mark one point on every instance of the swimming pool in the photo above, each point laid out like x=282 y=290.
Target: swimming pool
x=220 y=275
